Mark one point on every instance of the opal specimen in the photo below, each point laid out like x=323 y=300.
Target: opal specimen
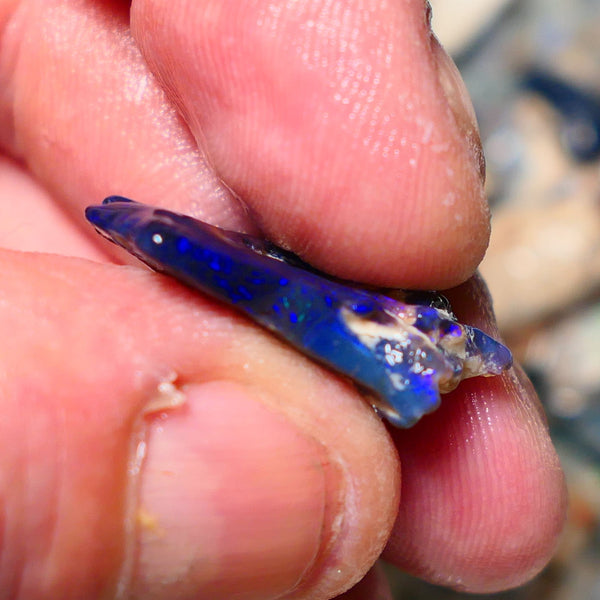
x=401 y=352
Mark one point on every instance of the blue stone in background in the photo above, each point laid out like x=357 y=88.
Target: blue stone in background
x=579 y=109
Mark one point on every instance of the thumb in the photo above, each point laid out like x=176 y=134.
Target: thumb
x=247 y=473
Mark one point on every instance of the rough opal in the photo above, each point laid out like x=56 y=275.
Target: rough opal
x=401 y=353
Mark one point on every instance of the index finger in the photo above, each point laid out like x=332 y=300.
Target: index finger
x=342 y=125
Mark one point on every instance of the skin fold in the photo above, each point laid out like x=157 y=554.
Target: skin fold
x=173 y=448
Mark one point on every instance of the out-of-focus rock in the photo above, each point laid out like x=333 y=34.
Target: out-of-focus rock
x=544 y=253
x=542 y=259
x=458 y=22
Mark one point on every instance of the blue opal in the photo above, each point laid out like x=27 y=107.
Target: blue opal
x=401 y=355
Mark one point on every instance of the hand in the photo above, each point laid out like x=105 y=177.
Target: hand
x=345 y=131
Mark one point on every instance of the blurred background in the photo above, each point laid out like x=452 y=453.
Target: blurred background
x=533 y=71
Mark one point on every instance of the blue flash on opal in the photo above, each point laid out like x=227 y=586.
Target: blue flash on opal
x=402 y=355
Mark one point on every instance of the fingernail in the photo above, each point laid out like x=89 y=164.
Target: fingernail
x=460 y=104
x=233 y=500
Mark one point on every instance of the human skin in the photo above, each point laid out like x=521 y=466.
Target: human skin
x=338 y=129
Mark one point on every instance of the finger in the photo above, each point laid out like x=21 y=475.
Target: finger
x=343 y=126
x=483 y=496
x=252 y=474
x=35 y=222
x=82 y=111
